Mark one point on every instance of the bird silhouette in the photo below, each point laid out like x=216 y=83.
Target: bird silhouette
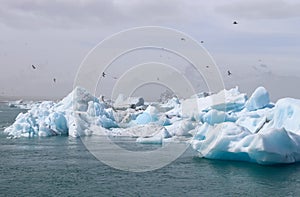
x=54 y=80
x=33 y=66
x=229 y=73
x=183 y=39
x=201 y=41
x=235 y=22
x=103 y=74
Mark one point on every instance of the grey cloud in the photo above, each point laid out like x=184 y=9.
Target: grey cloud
x=92 y=13
x=257 y=9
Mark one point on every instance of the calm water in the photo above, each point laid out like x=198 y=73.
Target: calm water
x=62 y=166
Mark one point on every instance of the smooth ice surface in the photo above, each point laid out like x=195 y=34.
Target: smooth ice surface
x=224 y=125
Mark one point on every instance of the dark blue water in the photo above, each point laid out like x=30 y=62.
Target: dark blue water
x=61 y=166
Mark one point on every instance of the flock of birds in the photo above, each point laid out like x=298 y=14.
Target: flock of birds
x=228 y=71
x=34 y=68
x=183 y=39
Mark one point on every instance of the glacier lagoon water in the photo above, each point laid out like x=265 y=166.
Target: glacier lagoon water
x=63 y=166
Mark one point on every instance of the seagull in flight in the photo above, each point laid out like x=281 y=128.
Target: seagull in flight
x=229 y=73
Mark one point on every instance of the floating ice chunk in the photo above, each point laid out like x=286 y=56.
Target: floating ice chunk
x=259 y=99
x=15 y=103
x=72 y=116
x=258 y=132
x=228 y=141
x=150 y=140
x=22 y=104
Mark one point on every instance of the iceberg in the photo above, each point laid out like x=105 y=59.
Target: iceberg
x=228 y=141
x=72 y=116
x=263 y=133
x=225 y=125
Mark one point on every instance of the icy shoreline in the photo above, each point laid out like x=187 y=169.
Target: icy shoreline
x=227 y=125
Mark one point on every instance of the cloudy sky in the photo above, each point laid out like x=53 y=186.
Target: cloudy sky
x=55 y=36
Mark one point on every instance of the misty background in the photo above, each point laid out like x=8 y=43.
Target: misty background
x=55 y=36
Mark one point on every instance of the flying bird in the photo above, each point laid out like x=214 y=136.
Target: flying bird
x=183 y=39
x=228 y=72
x=103 y=74
x=54 y=80
x=33 y=66
x=235 y=22
x=201 y=41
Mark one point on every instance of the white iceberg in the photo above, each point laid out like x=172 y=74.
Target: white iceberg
x=225 y=125
x=262 y=133
x=72 y=116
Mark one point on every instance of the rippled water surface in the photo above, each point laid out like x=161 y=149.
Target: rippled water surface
x=62 y=166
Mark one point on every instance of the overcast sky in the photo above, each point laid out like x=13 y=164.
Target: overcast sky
x=55 y=36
